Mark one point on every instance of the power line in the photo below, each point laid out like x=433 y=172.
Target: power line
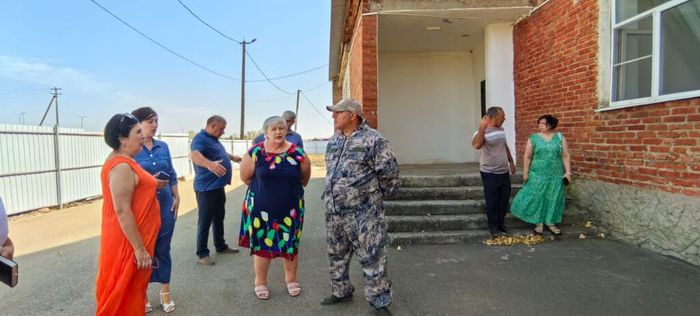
x=315 y=108
x=165 y=47
x=271 y=99
x=293 y=74
x=289 y=96
x=207 y=24
x=317 y=86
x=239 y=42
x=264 y=75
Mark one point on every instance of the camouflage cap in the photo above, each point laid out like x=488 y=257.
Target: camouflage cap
x=349 y=105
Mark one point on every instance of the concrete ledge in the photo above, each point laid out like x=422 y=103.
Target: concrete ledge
x=434 y=207
x=444 y=193
x=663 y=222
x=413 y=181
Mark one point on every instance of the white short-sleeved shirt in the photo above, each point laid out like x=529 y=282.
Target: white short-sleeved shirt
x=494 y=157
x=3 y=224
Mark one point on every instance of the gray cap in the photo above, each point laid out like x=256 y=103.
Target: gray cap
x=349 y=105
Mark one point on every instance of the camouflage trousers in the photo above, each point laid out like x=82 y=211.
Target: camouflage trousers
x=364 y=234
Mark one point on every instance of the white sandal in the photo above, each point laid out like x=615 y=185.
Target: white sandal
x=149 y=308
x=167 y=307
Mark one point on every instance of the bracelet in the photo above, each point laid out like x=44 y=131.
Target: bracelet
x=569 y=173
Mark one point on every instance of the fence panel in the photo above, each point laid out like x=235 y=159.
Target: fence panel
x=81 y=155
x=28 y=171
x=315 y=146
x=179 y=145
x=27 y=167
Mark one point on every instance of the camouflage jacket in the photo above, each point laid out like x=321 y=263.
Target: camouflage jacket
x=360 y=169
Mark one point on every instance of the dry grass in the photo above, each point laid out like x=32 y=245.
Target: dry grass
x=318 y=160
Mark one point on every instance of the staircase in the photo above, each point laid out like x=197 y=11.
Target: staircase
x=443 y=209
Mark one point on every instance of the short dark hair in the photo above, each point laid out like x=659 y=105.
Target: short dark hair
x=118 y=126
x=493 y=111
x=551 y=120
x=215 y=119
x=144 y=113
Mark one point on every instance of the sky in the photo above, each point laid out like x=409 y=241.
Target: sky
x=103 y=67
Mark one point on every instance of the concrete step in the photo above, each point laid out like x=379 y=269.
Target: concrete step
x=434 y=207
x=444 y=193
x=443 y=222
x=476 y=235
x=474 y=179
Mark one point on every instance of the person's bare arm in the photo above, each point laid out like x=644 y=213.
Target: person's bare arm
x=234 y=158
x=527 y=158
x=247 y=169
x=511 y=163
x=122 y=181
x=480 y=138
x=214 y=166
x=566 y=158
x=305 y=170
x=8 y=249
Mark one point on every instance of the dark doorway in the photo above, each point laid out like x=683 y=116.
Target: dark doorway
x=483 y=97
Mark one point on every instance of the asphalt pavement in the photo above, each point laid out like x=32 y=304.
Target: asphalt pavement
x=57 y=253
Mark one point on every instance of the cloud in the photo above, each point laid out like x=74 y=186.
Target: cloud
x=40 y=72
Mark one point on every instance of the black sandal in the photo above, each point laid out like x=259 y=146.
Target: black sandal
x=540 y=231
x=554 y=230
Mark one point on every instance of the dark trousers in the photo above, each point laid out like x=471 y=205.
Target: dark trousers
x=497 y=196
x=211 y=214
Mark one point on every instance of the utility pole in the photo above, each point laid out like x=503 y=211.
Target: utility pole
x=56 y=94
x=57 y=150
x=54 y=97
x=243 y=44
x=20 y=117
x=81 y=117
x=296 y=112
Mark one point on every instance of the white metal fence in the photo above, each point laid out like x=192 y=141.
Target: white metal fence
x=42 y=168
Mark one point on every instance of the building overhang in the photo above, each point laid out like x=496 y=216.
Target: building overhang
x=344 y=15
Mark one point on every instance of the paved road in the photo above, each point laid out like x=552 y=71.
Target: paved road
x=57 y=252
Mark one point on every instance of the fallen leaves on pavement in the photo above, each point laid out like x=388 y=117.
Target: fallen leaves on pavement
x=514 y=240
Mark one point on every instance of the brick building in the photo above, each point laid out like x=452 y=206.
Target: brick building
x=622 y=75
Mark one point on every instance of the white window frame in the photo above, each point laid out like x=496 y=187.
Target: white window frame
x=655 y=97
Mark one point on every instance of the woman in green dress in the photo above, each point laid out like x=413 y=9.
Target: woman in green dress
x=546 y=169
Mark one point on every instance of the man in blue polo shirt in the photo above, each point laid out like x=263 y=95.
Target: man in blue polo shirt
x=292 y=136
x=212 y=172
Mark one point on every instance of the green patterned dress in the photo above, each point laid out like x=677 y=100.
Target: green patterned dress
x=541 y=199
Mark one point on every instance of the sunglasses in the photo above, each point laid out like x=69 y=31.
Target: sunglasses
x=125 y=115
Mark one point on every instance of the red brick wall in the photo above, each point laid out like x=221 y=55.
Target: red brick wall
x=556 y=72
x=355 y=67
x=363 y=65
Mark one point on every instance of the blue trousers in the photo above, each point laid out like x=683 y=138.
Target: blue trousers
x=165 y=236
x=211 y=214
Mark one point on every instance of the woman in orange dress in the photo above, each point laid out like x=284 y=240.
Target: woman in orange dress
x=130 y=222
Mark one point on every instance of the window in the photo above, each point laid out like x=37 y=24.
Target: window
x=655 y=51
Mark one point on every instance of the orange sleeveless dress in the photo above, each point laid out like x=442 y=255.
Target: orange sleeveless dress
x=121 y=288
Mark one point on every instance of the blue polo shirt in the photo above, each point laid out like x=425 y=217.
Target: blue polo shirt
x=211 y=148
x=292 y=137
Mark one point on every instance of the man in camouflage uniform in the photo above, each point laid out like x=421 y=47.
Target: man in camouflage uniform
x=361 y=171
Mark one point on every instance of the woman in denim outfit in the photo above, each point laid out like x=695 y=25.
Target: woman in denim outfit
x=155 y=158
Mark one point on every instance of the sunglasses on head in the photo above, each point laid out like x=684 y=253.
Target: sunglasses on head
x=125 y=115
